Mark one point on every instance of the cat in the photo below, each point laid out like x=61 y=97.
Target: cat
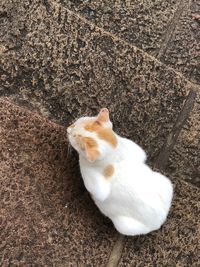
x=113 y=168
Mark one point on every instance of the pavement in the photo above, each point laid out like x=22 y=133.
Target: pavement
x=63 y=59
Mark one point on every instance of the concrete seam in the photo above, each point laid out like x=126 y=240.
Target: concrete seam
x=117 y=38
x=116 y=252
x=171 y=28
x=29 y=111
x=163 y=156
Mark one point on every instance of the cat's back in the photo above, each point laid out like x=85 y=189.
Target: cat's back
x=138 y=190
x=131 y=150
x=135 y=180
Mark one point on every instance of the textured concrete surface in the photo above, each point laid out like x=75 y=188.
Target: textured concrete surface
x=48 y=220
x=184 y=161
x=46 y=217
x=142 y=23
x=167 y=29
x=183 y=49
x=65 y=68
x=64 y=59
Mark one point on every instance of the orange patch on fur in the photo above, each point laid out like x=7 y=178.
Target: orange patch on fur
x=90 y=142
x=92 y=126
x=80 y=142
x=91 y=148
x=103 y=115
x=108 y=135
x=108 y=171
x=105 y=134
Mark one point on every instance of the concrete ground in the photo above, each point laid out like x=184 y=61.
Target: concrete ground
x=64 y=59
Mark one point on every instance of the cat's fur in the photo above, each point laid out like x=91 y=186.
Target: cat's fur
x=125 y=189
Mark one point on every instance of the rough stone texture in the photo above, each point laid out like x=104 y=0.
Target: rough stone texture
x=38 y=143
x=142 y=23
x=37 y=181
x=60 y=65
x=177 y=243
x=147 y=25
x=65 y=68
x=184 y=161
x=183 y=50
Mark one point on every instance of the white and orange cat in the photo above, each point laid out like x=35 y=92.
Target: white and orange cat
x=125 y=189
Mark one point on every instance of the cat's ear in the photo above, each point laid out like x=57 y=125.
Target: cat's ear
x=91 y=149
x=103 y=116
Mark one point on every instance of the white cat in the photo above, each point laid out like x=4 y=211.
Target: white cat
x=125 y=189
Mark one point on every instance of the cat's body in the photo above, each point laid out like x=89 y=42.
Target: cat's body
x=124 y=188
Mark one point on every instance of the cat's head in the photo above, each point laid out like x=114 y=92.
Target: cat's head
x=93 y=137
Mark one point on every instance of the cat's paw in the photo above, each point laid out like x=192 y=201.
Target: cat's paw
x=101 y=194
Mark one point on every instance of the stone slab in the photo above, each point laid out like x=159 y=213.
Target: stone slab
x=142 y=23
x=39 y=150
x=65 y=68
x=46 y=218
x=147 y=25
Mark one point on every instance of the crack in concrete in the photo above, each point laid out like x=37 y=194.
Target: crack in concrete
x=171 y=28
x=160 y=163
x=163 y=157
x=116 y=252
